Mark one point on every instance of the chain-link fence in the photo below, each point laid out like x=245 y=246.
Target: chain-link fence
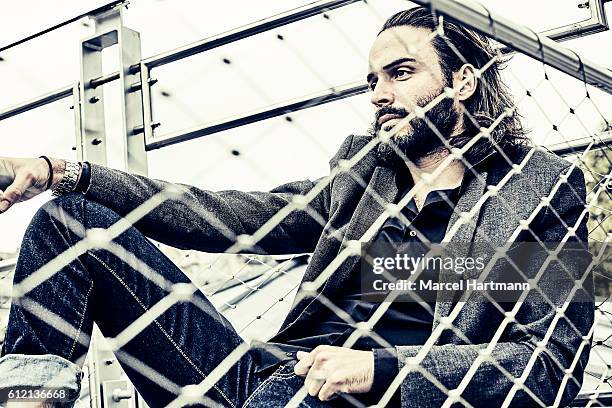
x=255 y=291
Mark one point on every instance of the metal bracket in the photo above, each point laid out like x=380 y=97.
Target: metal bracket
x=110 y=31
x=594 y=24
x=117 y=393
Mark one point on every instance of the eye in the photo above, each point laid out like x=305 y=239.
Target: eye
x=372 y=85
x=401 y=73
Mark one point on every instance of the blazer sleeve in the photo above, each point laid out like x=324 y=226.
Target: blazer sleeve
x=546 y=372
x=193 y=218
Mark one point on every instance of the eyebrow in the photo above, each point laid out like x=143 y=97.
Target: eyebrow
x=391 y=65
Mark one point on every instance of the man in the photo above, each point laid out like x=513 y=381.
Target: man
x=537 y=359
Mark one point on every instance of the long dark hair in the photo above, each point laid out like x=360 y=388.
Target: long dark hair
x=492 y=98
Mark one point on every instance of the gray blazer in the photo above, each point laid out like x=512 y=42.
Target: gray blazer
x=343 y=210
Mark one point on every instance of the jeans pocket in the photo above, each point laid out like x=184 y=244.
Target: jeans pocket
x=285 y=371
x=277 y=389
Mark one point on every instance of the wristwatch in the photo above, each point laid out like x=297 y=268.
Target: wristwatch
x=69 y=181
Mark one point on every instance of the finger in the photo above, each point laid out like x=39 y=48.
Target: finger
x=14 y=192
x=327 y=391
x=315 y=380
x=314 y=385
x=301 y=354
x=302 y=366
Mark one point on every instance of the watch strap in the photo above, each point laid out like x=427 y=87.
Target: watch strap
x=69 y=180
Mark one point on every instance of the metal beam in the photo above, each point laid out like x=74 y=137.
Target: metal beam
x=597 y=141
x=266 y=113
x=104 y=79
x=522 y=39
x=37 y=102
x=62 y=24
x=595 y=24
x=249 y=30
x=577 y=30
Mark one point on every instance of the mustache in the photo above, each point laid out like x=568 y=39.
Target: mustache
x=389 y=110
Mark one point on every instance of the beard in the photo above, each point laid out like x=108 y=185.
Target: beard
x=422 y=139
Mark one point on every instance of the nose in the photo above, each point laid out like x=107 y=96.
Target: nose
x=382 y=94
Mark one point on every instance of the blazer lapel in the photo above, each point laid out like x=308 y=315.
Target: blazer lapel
x=381 y=190
x=462 y=238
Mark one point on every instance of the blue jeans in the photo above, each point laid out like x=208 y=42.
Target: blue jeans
x=49 y=327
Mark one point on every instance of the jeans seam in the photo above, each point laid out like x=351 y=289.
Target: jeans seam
x=78 y=333
x=181 y=352
x=284 y=376
x=263 y=385
x=257 y=391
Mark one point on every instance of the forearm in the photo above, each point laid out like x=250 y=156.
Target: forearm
x=206 y=220
x=488 y=385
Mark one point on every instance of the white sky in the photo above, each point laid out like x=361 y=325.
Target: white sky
x=314 y=55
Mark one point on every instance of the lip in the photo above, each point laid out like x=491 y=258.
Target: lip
x=387 y=117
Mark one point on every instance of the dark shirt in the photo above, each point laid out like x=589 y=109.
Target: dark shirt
x=404 y=323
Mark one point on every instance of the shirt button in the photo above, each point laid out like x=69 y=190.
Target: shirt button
x=289 y=354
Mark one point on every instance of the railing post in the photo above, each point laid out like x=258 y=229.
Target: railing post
x=110 y=31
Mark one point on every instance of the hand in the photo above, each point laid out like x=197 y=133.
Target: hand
x=330 y=369
x=24 y=178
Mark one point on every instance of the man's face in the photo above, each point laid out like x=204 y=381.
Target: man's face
x=405 y=72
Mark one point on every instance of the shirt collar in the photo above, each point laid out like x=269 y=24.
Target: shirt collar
x=436 y=196
x=404 y=178
x=405 y=184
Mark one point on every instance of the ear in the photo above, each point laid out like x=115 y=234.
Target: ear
x=465 y=82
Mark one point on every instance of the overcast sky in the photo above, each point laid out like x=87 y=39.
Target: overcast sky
x=314 y=55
